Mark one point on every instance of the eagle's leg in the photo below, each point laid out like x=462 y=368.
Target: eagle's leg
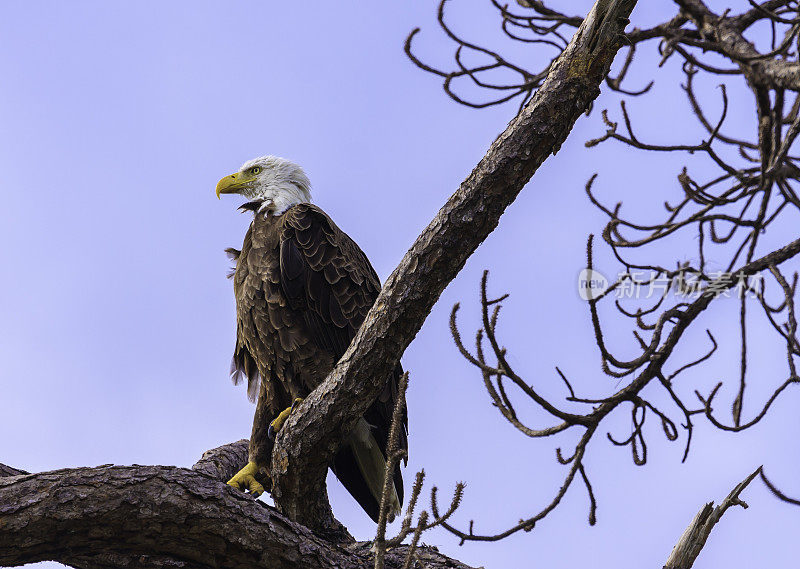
x=277 y=422
x=246 y=479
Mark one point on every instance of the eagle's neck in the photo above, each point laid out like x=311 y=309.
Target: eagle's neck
x=277 y=196
x=265 y=207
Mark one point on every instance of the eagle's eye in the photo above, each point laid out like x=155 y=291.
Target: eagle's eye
x=256 y=170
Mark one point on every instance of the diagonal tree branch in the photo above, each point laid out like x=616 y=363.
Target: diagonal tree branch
x=310 y=438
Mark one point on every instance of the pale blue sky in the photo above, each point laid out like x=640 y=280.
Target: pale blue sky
x=117 y=322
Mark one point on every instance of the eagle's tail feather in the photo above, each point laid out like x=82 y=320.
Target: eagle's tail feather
x=372 y=465
x=360 y=465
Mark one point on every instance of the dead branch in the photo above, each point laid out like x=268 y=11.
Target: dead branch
x=694 y=538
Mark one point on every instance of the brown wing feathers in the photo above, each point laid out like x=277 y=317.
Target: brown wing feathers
x=340 y=288
x=320 y=278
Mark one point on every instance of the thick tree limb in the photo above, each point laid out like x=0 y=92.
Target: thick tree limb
x=162 y=517
x=727 y=32
x=694 y=538
x=308 y=441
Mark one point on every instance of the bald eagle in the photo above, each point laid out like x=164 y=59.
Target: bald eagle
x=303 y=287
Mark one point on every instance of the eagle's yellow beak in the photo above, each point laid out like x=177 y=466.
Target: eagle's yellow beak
x=230 y=184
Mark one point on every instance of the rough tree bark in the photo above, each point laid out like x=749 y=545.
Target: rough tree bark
x=161 y=516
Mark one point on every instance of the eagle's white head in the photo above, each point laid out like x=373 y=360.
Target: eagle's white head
x=275 y=182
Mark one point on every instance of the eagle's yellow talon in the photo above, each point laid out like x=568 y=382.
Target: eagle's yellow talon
x=277 y=422
x=245 y=479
